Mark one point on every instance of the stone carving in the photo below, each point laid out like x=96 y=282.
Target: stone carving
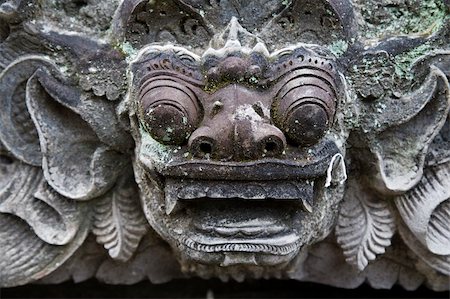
x=290 y=139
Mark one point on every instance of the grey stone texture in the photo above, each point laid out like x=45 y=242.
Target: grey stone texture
x=163 y=139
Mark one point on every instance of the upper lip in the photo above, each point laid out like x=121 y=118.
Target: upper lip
x=273 y=169
x=309 y=166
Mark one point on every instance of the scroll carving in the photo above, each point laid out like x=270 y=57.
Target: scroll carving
x=259 y=139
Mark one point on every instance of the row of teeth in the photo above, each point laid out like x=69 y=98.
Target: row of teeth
x=301 y=191
x=234 y=247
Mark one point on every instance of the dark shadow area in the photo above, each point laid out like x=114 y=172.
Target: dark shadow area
x=197 y=288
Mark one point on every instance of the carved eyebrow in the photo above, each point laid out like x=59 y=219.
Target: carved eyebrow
x=317 y=66
x=161 y=81
x=169 y=76
x=308 y=78
x=314 y=63
x=167 y=63
x=296 y=72
x=283 y=53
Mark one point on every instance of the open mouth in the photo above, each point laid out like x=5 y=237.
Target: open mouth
x=226 y=212
x=247 y=217
x=213 y=207
x=217 y=235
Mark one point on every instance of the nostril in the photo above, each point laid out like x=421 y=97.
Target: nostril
x=202 y=144
x=271 y=146
x=202 y=147
x=205 y=148
x=270 y=141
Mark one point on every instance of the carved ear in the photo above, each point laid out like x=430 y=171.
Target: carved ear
x=406 y=130
x=76 y=162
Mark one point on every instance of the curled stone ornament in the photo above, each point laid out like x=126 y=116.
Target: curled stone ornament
x=259 y=139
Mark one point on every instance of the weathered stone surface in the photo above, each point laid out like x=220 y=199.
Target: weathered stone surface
x=154 y=140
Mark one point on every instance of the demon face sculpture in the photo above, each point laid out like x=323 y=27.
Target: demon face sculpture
x=178 y=138
x=236 y=155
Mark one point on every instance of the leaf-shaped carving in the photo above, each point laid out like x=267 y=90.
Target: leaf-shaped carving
x=153 y=259
x=426 y=209
x=365 y=226
x=75 y=162
x=46 y=121
x=119 y=222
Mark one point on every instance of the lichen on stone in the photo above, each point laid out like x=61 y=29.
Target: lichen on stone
x=338 y=48
x=404 y=61
x=374 y=75
x=384 y=18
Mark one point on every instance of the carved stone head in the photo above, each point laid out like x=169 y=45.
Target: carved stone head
x=237 y=154
x=256 y=138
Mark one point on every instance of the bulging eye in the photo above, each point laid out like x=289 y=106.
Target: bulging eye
x=306 y=123
x=304 y=110
x=169 y=110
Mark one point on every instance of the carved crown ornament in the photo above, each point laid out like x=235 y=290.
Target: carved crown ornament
x=162 y=139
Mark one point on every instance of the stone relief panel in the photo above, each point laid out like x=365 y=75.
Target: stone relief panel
x=154 y=140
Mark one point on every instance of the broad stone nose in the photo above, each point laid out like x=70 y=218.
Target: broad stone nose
x=239 y=131
x=241 y=140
